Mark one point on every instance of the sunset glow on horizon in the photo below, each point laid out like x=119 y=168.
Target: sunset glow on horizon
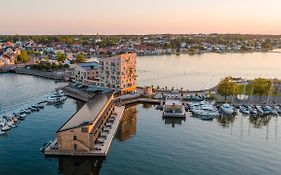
x=140 y=17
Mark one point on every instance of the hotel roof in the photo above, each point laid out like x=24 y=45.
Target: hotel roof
x=88 y=113
x=89 y=65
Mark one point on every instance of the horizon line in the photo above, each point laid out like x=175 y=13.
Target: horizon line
x=138 y=34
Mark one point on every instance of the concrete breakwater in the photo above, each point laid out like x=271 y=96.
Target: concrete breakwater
x=55 y=75
x=6 y=69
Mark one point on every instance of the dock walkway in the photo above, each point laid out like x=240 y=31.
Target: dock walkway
x=141 y=100
x=110 y=136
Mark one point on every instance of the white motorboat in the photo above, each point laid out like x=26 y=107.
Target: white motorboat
x=27 y=111
x=253 y=110
x=267 y=110
x=260 y=110
x=173 y=108
x=6 y=128
x=55 y=99
x=60 y=92
x=227 y=109
x=244 y=109
x=277 y=109
x=2 y=124
x=205 y=110
x=22 y=116
x=271 y=110
x=52 y=98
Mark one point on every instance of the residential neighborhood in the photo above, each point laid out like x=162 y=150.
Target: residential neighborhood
x=93 y=46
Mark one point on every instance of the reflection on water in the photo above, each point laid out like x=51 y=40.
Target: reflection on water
x=226 y=121
x=79 y=104
x=173 y=121
x=79 y=165
x=259 y=122
x=147 y=106
x=128 y=124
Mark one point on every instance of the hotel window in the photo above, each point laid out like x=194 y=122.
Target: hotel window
x=74 y=137
x=84 y=129
x=75 y=147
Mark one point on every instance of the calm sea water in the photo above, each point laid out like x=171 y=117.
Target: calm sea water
x=145 y=142
x=205 y=71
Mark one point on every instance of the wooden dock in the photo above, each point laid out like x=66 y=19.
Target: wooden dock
x=141 y=100
x=52 y=150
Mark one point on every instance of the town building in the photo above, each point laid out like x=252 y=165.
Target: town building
x=119 y=72
x=87 y=73
x=79 y=134
x=2 y=63
x=116 y=72
x=7 y=59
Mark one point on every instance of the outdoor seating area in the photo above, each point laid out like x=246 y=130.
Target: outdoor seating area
x=108 y=131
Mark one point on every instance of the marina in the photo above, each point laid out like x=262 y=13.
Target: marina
x=9 y=121
x=143 y=129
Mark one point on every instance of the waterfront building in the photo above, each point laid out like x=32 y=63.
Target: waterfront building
x=119 y=72
x=79 y=134
x=87 y=73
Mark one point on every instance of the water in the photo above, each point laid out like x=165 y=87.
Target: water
x=145 y=142
x=224 y=146
x=205 y=71
x=19 y=91
x=19 y=149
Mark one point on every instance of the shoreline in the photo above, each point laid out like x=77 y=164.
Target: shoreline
x=57 y=76
x=278 y=50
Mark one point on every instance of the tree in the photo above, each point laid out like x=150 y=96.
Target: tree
x=80 y=58
x=262 y=86
x=61 y=57
x=267 y=45
x=23 y=57
x=227 y=87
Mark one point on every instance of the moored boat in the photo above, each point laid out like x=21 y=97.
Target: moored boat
x=260 y=110
x=173 y=108
x=6 y=128
x=227 y=109
x=204 y=110
x=244 y=109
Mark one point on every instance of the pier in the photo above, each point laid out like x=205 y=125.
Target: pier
x=142 y=100
x=90 y=131
x=52 y=150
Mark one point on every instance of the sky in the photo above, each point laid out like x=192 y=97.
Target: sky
x=140 y=16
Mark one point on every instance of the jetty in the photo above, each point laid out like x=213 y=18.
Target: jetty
x=90 y=131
